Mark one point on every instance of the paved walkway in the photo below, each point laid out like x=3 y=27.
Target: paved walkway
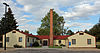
x=7 y=49
x=44 y=46
x=51 y=50
x=47 y=50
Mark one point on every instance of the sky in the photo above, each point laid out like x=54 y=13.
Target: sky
x=78 y=14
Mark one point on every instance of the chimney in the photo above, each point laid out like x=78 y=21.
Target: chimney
x=51 y=27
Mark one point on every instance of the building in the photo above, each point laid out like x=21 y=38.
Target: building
x=77 y=40
x=82 y=40
x=20 y=38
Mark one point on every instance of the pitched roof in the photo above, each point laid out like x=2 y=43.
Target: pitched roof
x=26 y=33
x=42 y=37
x=55 y=37
x=61 y=37
x=46 y=36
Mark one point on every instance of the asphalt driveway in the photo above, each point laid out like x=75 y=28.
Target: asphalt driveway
x=50 y=51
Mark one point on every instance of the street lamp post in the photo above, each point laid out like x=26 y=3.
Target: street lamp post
x=5 y=26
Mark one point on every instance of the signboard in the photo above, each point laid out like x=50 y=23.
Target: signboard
x=69 y=43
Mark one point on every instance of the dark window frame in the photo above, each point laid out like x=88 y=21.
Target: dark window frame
x=73 y=41
x=40 y=41
x=59 y=41
x=33 y=40
x=13 y=31
x=89 y=41
x=7 y=39
x=28 y=39
x=20 y=39
x=81 y=33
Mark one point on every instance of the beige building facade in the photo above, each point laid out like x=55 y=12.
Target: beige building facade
x=77 y=40
x=82 y=39
x=20 y=38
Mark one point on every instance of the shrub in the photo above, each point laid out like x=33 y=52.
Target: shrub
x=17 y=46
x=62 y=45
x=56 y=45
x=98 y=46
x=35 y=44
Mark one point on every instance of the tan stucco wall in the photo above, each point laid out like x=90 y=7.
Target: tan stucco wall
x=30 y=40
x=56 y=42
x=39 y=42
x=81 y=40
x=46 y=40
x=14 y=39
x=66 y=43
x=42 y=41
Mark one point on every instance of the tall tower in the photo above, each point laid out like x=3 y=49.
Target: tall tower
x=51 y=27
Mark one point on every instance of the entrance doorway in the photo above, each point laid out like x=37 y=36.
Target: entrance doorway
x=0 y=45
x=45 y=42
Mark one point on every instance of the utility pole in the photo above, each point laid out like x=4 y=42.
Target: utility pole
x=6 y=5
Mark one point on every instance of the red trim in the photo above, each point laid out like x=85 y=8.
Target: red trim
x=25 y=41
x=90 y=35
x=68 y=43
x=83 y=32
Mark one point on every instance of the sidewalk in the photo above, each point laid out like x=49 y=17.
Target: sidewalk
x=81 y=49
x=7 y=49
x=62 y=49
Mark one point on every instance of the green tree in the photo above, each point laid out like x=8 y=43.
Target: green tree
x=9 y=23
x=86 y=31
x=26 y=31
x=69 y=32
x=58 y=25
x=95 y=31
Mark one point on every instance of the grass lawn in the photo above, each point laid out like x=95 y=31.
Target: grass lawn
x=55 y=47
x=38 y=47
x=98 y=45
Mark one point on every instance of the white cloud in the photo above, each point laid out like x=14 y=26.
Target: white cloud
x=18 y=12
x=79 y=10
x=83 y=11
x=39 y=8
x=26 y=16
x=79 y=26
x=31 y=28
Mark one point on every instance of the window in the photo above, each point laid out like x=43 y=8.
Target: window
x=73 y=41
x=7 y=39
x=59 y=41
x=13 y=31
x=81 y=33
x=40 y=41
x=89 y=41
x=33 y=40
x=20 y=39
x=28 y=40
